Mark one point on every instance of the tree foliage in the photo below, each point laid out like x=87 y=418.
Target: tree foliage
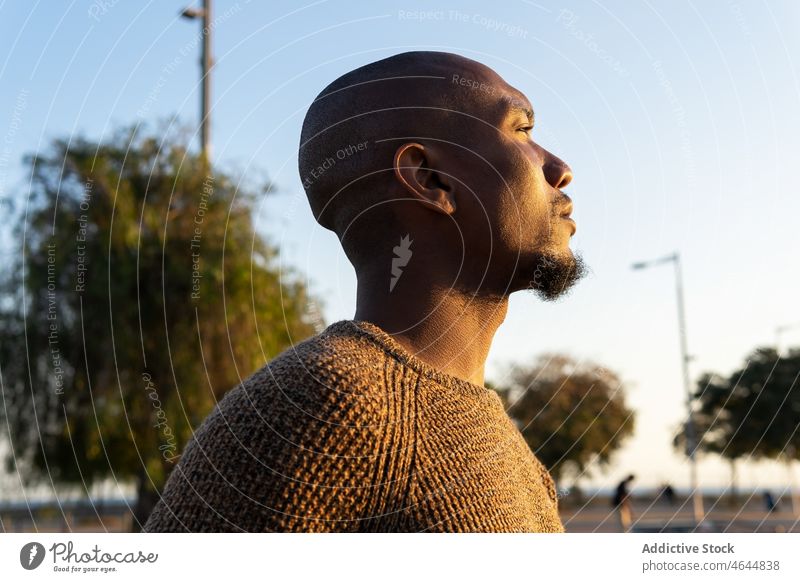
x=141 y=293
x=753 y=412
x=572 y=414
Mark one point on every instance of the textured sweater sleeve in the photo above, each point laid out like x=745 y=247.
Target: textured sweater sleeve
x=299 y=456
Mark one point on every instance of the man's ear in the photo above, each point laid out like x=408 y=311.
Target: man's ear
x=414 y=169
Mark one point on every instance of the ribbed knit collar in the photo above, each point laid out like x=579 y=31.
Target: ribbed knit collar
x=392 y=348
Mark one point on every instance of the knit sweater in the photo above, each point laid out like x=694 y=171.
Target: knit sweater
x=348 y=432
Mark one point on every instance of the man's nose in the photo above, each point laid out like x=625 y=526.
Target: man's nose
x=556 y=171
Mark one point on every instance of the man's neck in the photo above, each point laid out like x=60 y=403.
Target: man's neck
x=447 y=329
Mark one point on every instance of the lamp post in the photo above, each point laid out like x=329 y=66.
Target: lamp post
x=789 y=454
x=688 y=427
x=790 y=450
x=206 y=62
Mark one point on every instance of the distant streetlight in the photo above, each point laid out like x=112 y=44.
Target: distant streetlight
x=790 y=450
x=789 y=454
x=206 y=62
x=688 y=427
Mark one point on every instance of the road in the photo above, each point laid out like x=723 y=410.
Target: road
x=596 y=515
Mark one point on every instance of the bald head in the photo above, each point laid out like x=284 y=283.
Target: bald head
x=354 y=127
x=437 y=149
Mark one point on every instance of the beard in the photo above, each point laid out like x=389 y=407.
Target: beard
x=554 y=274
x=554 y=271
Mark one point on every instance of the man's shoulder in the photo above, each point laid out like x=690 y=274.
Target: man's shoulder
x=341 y=351
x=338 y=370
x=292 y=448
x=317 y=396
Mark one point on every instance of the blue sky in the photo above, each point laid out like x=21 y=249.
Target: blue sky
x=680 y=121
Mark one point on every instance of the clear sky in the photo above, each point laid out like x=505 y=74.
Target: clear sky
x=680 y=121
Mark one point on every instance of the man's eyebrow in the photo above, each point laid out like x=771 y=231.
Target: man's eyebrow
x=526 y=111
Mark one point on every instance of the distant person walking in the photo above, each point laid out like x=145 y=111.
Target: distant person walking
x=769 y=501
x=668 y=494
x=622 y=502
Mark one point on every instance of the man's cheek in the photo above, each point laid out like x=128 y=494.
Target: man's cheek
x=522 y=232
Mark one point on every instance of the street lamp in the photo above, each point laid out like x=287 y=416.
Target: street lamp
x=689 y=428
x=204 y=15
x=790 y=451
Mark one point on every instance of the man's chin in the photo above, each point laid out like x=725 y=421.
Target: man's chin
x=552 y=274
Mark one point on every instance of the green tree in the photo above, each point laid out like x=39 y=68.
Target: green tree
x=142 y=292
x=572 y=414
x=714 y=416
x=752 y=413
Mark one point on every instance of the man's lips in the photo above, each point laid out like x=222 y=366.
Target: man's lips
x=566 y=214
x=571 y=222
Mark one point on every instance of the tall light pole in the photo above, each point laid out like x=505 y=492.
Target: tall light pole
x=789 y=454
x=688 y=427
x=206 y=62
x=790 y=450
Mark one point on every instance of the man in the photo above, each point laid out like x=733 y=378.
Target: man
x=622 y=502
x=424 y=166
